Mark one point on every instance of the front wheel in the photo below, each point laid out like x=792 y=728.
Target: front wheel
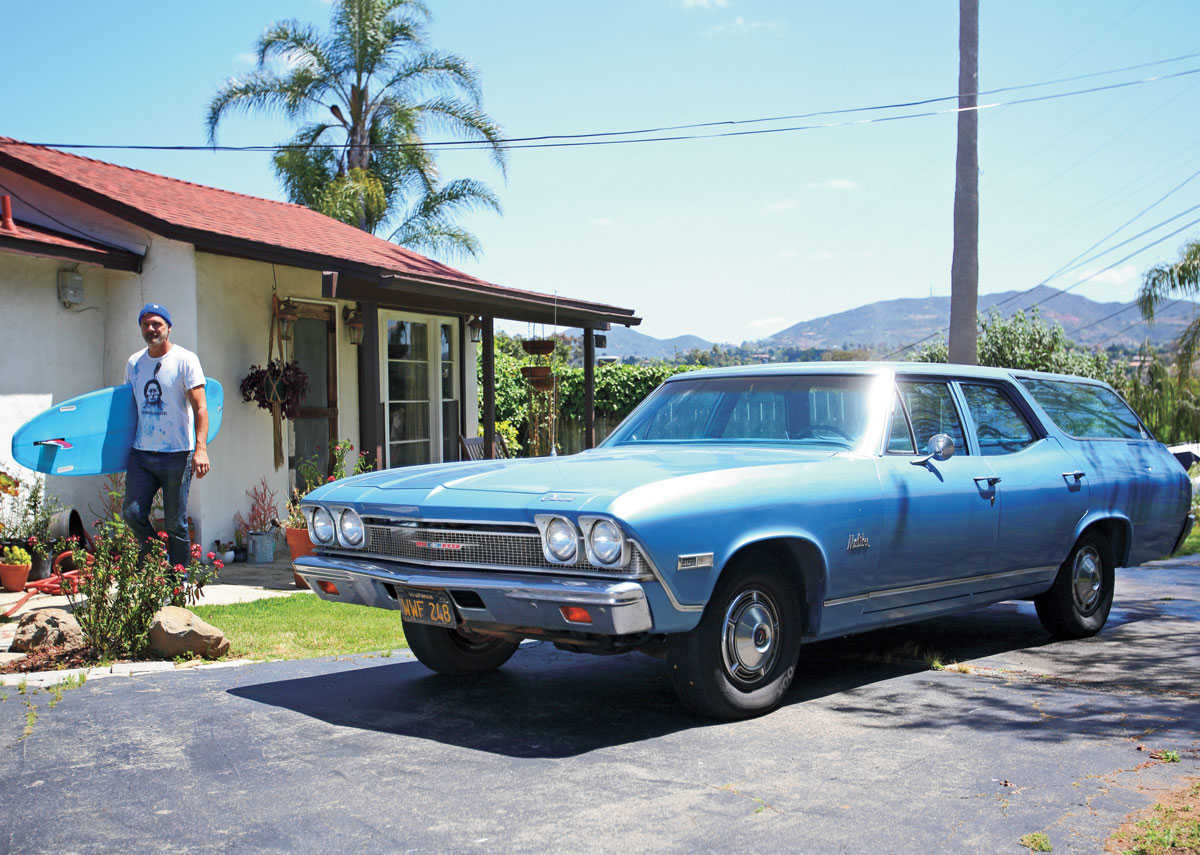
x=740 y=660
x=1078 y=604
x=455 y=652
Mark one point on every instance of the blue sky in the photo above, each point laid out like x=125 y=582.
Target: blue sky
x=729 y=238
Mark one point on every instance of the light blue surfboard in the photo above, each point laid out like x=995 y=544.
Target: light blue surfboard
x=91 y=434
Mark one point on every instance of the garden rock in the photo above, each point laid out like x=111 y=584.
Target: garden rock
x=175 y=631
x=48 y=628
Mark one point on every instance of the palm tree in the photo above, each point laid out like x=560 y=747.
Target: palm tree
x=1182 y=279
x=367 y=93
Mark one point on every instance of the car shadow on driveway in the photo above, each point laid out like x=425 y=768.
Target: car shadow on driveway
x=549 y=704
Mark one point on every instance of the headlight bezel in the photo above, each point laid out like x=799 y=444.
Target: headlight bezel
x=544 y=523
x=341 y=532
x=587 y=525
x=314 y=513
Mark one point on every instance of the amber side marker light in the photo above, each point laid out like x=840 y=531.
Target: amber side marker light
x=328 y=587
x=575 y=614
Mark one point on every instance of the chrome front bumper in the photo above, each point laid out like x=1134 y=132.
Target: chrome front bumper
x=503 y=599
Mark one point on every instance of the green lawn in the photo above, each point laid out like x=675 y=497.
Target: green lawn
x=1192 y=544
x=302 y=626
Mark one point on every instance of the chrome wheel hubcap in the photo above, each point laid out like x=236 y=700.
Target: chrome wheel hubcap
x=751 y=638
x=1087 y=575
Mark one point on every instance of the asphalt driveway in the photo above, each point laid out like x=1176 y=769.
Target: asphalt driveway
x=874 y=751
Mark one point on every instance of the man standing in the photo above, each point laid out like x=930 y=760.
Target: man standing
x=171 y=443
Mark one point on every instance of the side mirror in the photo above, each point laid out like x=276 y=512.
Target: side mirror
x=940 y=447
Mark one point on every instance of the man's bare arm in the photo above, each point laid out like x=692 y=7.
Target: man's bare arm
x=199 y=404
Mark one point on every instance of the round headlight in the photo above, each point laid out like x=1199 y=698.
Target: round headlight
x=320 y=529
x=561 y=539
x=606 y=541
x=350 y=528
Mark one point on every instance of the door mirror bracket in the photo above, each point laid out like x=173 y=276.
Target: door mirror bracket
x=940 y=447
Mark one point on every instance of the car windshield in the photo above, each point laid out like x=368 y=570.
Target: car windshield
x=804 y=409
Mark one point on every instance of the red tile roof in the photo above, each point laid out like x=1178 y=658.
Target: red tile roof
x=35 y=240
x=233 y=223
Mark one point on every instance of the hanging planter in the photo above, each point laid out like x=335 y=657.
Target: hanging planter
x=279 y=385
x=538 y=346
x=538 y=376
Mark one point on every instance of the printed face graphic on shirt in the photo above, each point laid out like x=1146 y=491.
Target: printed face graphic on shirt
x=152 y=392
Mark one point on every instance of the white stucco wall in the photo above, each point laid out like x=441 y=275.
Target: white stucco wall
x=50 y=353
x=234 y=314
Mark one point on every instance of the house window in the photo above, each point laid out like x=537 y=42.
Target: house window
x=420 y=388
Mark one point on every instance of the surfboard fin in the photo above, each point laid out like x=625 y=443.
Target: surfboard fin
x=57 y=443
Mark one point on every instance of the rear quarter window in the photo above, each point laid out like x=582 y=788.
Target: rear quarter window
x=1084 y=410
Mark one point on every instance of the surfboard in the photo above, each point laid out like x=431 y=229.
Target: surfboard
x=91 y=434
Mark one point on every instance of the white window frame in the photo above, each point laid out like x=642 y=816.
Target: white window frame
x=433 y=344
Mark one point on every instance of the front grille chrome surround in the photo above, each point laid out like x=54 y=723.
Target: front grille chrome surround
x=496 y=546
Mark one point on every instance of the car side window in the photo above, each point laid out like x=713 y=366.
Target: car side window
x=999 y=425
x=900 y=440
x=1085 y=410
x=932 y=411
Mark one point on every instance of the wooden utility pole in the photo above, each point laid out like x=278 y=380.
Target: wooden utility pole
x=964 y=268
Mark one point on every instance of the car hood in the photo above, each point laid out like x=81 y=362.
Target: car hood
x=598 y=472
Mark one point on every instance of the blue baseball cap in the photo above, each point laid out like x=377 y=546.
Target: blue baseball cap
x=154 y=309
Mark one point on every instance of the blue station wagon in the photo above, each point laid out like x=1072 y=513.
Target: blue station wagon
x=738 y=514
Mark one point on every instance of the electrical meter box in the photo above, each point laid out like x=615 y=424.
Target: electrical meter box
x=70 y=288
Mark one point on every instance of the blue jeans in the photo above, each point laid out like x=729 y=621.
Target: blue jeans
x=170 y=471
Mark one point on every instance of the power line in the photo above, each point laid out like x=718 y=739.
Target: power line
x=1131 y=326
x=1074 y=285
x=603 y=137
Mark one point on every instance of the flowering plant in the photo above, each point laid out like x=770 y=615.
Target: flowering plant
x=119 y=588
x=14 y=555
x=308 y=475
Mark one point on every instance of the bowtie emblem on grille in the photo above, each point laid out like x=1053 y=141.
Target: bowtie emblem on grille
x=437 y=544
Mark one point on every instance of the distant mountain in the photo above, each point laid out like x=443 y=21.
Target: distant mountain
x=892 y=323
x=623 y=342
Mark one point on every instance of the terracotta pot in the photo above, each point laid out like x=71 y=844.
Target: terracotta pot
x=298 y=544
x=538 y=376
x=538 y=346
x=14 y=576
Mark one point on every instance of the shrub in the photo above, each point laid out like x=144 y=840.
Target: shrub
x=121 y=585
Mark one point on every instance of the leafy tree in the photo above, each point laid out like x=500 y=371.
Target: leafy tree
x=1181 y=279
x=366 y=93
x=1029 y=342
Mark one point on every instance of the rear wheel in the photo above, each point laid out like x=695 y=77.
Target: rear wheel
x=740 y=660
x=1078 y=604
x=456 y=652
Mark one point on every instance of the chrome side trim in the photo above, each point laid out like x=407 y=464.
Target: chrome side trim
x=695 y=561
x=675 y=604
x=929 y=586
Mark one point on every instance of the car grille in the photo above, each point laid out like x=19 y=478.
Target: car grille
x=478 y=545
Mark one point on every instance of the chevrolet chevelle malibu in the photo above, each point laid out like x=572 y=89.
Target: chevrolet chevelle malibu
x=738 y=514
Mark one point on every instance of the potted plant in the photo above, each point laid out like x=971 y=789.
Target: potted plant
x=264 y=509
x=14 y=568
x=308 y=473
x=538 y=346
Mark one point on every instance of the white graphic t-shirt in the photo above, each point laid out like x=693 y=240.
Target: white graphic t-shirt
x=160 y=386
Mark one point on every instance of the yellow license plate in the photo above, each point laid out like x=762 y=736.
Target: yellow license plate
x=428 y=607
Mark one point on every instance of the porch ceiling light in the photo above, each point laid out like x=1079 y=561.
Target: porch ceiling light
x=288 y=313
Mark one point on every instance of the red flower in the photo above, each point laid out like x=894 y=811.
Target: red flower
x=220 y=565
x=178 y=590
x=32 y=540
x=163 y=535
x=211 y=556
x=330 y=478
x=178 y=568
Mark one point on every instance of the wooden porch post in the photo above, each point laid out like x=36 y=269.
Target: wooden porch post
x=589 y=388
x=489 y=388
x=370 y=419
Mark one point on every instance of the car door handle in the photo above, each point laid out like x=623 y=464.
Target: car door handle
x=1073 y=476
x=992 y=480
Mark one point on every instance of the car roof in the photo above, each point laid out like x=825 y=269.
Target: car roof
x=937 y=369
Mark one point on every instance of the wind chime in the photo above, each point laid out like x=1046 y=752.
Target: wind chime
x=543 y=397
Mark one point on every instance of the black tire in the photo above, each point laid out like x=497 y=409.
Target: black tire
x=1078 y=604
x=449 y=651
x=709 y=667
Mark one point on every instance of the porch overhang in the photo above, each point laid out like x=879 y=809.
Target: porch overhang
x=402 y=291
x=28 y=239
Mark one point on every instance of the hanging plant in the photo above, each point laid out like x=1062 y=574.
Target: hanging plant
x=277 y=382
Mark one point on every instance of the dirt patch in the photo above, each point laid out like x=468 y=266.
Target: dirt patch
x=52 y=659
x=1171 y=827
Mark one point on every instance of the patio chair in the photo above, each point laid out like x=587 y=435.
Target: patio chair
x=472 y=447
